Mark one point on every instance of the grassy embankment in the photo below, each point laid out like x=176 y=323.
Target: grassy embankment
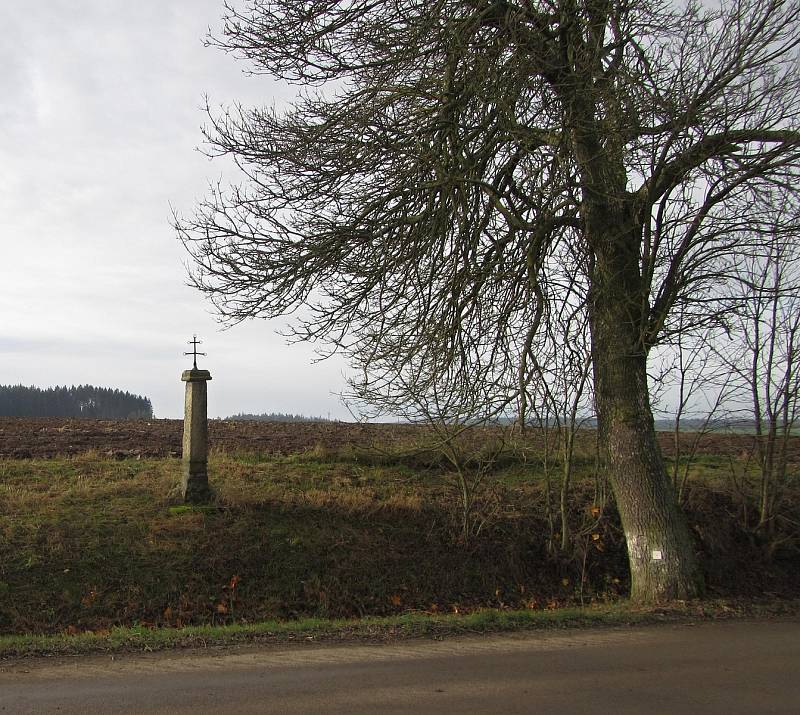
x=90 y=544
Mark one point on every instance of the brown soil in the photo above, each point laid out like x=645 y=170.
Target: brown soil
x=47 y=437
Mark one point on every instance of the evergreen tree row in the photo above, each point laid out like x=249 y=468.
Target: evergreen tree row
x=81 y=401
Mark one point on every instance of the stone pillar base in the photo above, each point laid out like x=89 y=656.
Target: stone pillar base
x=194 y=483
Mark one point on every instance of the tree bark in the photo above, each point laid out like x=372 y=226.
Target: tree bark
x=661 y=551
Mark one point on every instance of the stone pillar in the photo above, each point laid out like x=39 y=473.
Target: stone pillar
x=195 y=437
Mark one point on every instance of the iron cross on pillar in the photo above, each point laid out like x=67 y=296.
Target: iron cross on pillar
x=194 y=342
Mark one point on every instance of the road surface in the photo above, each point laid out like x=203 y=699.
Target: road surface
x=731 y=667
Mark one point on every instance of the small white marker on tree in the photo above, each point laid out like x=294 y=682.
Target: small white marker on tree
x=658 y=555
x=194 y=485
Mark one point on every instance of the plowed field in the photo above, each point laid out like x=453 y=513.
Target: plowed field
x=47 y=437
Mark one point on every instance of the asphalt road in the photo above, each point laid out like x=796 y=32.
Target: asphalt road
x=731 y=667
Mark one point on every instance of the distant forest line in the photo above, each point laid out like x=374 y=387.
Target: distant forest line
x=80 y=401
x=274 y=417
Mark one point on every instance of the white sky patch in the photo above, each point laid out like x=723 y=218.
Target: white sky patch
x=99 y=125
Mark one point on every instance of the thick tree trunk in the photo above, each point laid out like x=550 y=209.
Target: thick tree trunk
x=661 y=552
x=660 y=547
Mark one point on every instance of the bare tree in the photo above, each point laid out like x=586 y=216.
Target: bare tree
x=696 y=386
x=465 y=426
x=763 y=355
x=558 y=389
x=446 y=154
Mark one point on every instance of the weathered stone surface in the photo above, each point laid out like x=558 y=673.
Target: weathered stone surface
x=195 y=437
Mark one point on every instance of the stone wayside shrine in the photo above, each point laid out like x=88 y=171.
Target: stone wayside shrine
x=195 y=487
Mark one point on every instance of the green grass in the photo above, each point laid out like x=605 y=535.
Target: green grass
x=92 y=544
x=381 y=629
x=370 y=628
x=402 y=626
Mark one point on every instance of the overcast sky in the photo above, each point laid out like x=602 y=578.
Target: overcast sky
x=100 y=117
